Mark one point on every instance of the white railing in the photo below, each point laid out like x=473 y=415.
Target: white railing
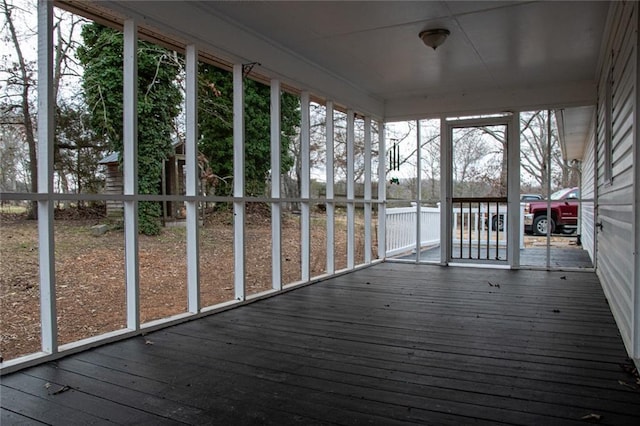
x=477 y=223
x=401 y=228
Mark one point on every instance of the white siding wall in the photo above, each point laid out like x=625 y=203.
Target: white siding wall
x=588 y=195
x=616 y=198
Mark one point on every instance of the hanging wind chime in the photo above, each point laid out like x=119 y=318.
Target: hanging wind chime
x=394 y=162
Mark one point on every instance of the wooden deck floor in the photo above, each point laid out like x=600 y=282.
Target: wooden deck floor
x=561 y=257
x=390 y=344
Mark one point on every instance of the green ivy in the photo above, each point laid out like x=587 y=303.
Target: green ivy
x=215 y=120
x=159 y=100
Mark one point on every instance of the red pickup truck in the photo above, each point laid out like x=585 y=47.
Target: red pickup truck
x=564 y=213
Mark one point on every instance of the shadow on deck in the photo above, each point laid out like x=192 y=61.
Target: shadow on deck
x=390 y=344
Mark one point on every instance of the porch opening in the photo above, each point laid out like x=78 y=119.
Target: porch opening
x=479 y=223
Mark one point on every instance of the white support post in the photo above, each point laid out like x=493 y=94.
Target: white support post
x=446 y=188
x=367 y=190
x=191 y=151
x=305 y=208
x=418 y=192
x=351 y=234
x=276 y=217
x=548 y=171
x=331 y=217
x=130 y=171
x=46 y=135
x=382 y=192
x=238 y=182
x=514 y=226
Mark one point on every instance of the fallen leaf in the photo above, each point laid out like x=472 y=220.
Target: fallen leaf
x=626 y=384
x=629 y=368
x=592 y=417
x=61 y=390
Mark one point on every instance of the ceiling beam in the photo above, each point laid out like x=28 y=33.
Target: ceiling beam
x=570 y=94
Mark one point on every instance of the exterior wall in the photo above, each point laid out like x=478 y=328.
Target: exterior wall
x=114 y=187
x=615 y=208
x=588 y=195
x=173 y=181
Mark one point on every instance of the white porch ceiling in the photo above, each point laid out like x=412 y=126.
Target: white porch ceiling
x=494 y=46
x=501 y=55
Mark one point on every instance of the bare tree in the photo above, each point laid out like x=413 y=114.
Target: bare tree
x=535 y=155
x=498 y=151
x=76 y=150
x=317 y=149
x=292 y=180
x=17 y=99
x=13 y=161
x=430 y=152
x=470 y=150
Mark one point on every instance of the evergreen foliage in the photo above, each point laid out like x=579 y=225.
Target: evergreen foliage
x=159 y=99
x=215 y=120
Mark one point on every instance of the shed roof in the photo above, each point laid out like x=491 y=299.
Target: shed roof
x=111 y=158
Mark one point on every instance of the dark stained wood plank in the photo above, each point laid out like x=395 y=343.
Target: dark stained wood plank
x=72 y=395
x=559 y=257
x=156 y=409
x=11 y=418
x=426 y=339
x=391 y=344
x=264 y=339
x=408 y=388
x=269 y=383
x=529 y=257
x=200 y=348
x=45 y=411
x=352 y=398
x=396 y=318
x=195 y=390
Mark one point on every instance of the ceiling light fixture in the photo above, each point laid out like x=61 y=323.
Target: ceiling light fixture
x=434 y=38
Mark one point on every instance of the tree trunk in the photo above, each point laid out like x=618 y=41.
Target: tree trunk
x=26 y=111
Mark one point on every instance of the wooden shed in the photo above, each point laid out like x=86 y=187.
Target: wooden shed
x=172 y=183
x=113 y=183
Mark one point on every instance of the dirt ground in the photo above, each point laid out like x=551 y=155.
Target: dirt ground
x=90 y=288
